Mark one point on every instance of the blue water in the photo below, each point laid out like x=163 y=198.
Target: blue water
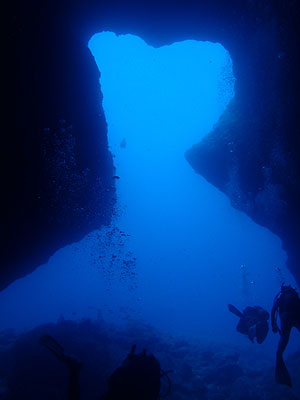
x=176 y=252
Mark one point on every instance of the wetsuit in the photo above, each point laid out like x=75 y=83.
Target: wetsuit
x=254 y=323
x=287 y=305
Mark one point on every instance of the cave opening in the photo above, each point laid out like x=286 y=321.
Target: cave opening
x=176 y=251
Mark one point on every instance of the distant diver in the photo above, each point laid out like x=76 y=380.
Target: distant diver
x=287 y=306
x=253 y=322
x=138 y=378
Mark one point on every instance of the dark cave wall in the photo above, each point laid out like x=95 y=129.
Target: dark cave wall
x=252 y=154
x=57 y=170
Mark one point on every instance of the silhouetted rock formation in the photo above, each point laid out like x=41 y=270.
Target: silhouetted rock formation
x=57 y=184
x=252 y=154
x=57 y=170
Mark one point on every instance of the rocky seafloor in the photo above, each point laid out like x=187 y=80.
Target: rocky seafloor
x=207 y=371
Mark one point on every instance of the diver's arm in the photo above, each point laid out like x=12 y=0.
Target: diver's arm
x=273 y=315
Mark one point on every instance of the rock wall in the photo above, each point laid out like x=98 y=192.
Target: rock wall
x=56 y=168
x=57 y=171
x=252 y=154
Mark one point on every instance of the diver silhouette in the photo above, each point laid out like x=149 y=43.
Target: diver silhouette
x=253 y=322
x=138 y=378
x=287 y=306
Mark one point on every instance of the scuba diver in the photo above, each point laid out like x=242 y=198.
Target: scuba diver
x=138 y=378
x=253 y=322
x=287 y=306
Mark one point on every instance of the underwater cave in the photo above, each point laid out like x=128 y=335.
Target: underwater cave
x=151 y=177
x=174 y=242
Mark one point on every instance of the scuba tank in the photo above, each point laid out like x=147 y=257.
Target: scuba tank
x=289 y=300
x=138 y=378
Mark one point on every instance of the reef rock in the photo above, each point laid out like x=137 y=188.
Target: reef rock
x=252 y=154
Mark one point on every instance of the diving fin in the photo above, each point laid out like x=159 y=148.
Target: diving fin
x=234 y=310
x=52 y=345
x=57 y=350
x=282 y=375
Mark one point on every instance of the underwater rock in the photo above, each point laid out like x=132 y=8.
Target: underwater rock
x=52 y=85
x=29 y=371
x=252 y=154
x=56 y=181
x=226 y=374
x=186 y=371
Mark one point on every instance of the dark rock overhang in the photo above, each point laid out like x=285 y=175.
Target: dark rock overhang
x=57 y=170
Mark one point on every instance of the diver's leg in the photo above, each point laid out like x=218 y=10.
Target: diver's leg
x=286 y=326
x=262 y=329
x=73 y=385
x=281 y=373
x=74 y=367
